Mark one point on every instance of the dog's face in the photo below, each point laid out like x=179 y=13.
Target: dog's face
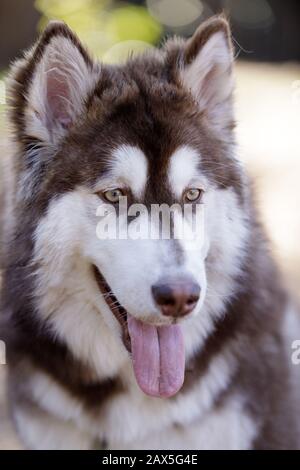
x=155 y=131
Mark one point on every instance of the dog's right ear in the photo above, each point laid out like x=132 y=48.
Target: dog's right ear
x=49 y=87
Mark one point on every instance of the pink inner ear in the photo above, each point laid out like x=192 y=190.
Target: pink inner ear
x=58 y=99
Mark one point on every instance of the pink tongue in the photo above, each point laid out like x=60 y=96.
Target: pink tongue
x=158 y=357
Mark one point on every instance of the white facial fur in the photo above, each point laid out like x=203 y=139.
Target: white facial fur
x=66 y=247
x=183 y=170
x=128 y=167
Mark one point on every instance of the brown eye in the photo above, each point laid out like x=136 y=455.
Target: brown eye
x=192 y=195
x=113 y=195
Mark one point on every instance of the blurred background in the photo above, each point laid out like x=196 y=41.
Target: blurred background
x=267 y=39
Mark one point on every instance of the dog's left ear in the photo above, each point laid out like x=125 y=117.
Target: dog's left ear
x=206 y=70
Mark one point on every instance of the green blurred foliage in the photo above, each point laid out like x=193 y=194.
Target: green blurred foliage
x=133 y=23
x=102 y=24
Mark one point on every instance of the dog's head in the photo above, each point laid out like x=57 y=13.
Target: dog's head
x=101 y=148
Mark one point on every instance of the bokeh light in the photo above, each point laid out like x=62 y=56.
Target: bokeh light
x=102 y=24
x=252 y=14
x=171 y=15
x=133 y=23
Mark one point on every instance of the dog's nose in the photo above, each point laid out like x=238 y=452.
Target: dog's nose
x=176 y=297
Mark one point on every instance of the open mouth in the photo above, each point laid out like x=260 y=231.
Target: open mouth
x=117 y=309
x=157 y=352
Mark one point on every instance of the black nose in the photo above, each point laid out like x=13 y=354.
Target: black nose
x=176 y=297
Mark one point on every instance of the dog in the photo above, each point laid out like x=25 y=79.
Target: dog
x=127 y=342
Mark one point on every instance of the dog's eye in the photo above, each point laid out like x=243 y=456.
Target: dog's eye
x=113 y=195
x=192 y=195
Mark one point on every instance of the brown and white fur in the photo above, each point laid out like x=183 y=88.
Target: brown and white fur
x=159 y=124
